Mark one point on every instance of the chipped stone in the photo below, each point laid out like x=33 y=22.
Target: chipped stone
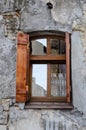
x=5 y=104
x=12 y=101
x=21 y=106
x=11 y=25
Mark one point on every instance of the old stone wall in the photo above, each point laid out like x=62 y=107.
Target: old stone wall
x=30 y=16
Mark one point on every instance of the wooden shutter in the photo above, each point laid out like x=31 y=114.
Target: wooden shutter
x=22 y=88
x=67 y=40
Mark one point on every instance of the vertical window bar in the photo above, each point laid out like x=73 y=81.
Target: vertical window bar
x=67 y=66
x=48 y=70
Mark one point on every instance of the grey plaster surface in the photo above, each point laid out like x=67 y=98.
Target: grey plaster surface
x=34 y=15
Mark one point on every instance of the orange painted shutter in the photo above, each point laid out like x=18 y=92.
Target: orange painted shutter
x=22 y=68
x=67 y=40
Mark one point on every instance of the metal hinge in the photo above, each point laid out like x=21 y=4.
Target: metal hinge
x=27 y=46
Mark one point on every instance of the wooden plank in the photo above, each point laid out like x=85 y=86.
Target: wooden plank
x=50 y=99
x=21 y=68
x=48 y=58
x=67 y=66
x=41 y=35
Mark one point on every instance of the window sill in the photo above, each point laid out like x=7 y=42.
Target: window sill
x=49 y=105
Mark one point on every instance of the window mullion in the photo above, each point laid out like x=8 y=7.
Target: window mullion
x=67 y=66
x=48 y=70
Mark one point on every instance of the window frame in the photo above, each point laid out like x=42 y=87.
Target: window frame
x=23 y=84
x=47 y=59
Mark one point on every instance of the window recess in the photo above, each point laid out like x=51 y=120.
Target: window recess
x=43 y=70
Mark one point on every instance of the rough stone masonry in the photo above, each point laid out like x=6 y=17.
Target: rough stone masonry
x=29 y=16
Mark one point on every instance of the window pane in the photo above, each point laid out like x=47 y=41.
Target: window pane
x=39 y=80
x=57 y=46
x=38 y=47
x=58 y=80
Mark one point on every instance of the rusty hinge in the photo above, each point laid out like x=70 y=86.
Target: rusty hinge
x=27 y=46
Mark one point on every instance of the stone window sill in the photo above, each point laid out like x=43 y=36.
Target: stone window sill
x=49 y=105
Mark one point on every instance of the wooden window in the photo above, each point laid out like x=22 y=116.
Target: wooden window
x=43 y=68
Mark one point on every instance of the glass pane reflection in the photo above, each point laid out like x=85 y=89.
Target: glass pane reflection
x=57 y=46
x=58 y=80
x=39 y=80
x=38 y=47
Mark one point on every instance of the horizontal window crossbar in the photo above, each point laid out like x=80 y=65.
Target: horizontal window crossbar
x=48 y=58
x=50 y=99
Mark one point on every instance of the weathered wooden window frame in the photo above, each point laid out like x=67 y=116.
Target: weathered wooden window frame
x=23 y=73
x=47 y=59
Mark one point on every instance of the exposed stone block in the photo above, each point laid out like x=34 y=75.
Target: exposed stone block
x=21 y=106
x=11 y=25
x=5 y=104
